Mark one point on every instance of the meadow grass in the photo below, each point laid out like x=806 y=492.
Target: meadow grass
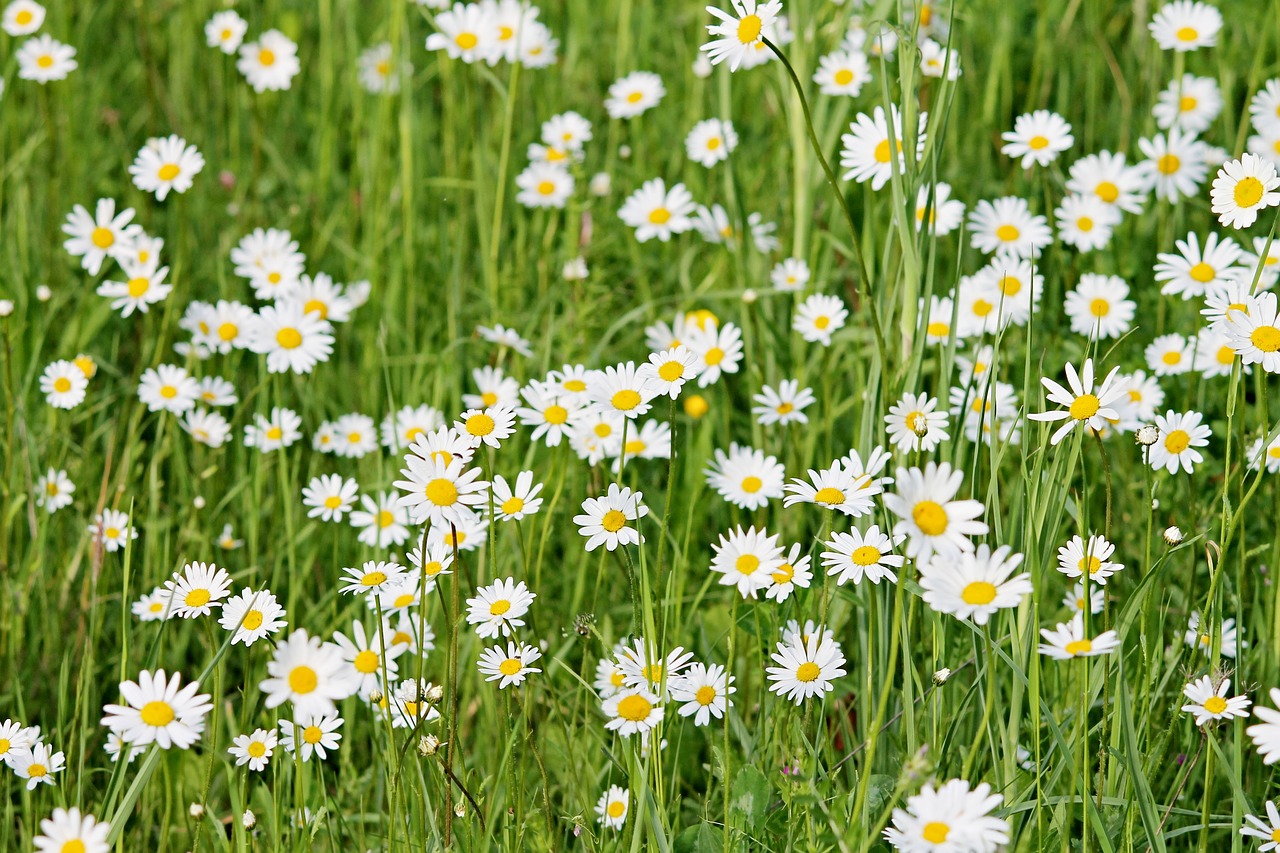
x=414 y=192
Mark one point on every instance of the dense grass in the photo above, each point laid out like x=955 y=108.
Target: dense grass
x=402 y=191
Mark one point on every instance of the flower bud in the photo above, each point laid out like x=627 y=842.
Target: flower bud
x=1172 y=536
x=1147 y=435
x=941 y=676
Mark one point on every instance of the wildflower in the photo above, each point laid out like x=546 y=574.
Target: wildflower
x=914 y=425
x=44 y=59
x=784 y=406
x=251 y=616
x=1243 y=188
x=254 y=749
x=1100 y=307
x=937 y=211
x=53 y=490
x=198 y=589
x=806 y=666
x=1084 y=403
x=1092 y=557
x=746 y=560
x=309 y=673
x=544 y=185
x=270 y=63
x=975 y=586
x=1008 y=225
x=63 y=385
x=1068 y=641
x=1107 y=177
x=166 y=164
x=655 y=211
x=605 y=519
x=1209 y=702
x=37 y=765
x=515 y=504
x=67 y=830
x=611 y=809
x=950 y=817
x=634 y=94
x=867 y=152
x=225 y=30
x=844 y=72
x=710 y=141
x=1037 y=137
x=855 y=555
x=1185 y=25
x=1175 y=164
x=719 y=349
x=112 y=529
x=1268 y=831
x=278 y=431
x=311 y=734
x=930 y=517
x=834 y=488
x=22 y=18
x=703 y=692
x=740 y=32
x=508 y=666
x=490 y=425
x=329 y=497
x=1265 y=735
x=159 y=710
x=1195 y=636
x=497 y=608
x=1181 y=435
x=292 y=338
x=382 y=520
x=632 y=710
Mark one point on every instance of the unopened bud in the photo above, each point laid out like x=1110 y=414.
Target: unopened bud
x=6 y=307
x=196 y=810
x=940 y=677
x=1148 y=435
x=248 y=820
x=434 y=694
x=600 y=183
x=460 y=810
x=43 y=293
x=428 y=745
x=1172 y=536
x=376 y=696
x=702 y=66
x=749 y=296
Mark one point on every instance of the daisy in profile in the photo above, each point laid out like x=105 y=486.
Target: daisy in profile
x=68 y=831
x=719 y=351
x=792 y=574
x=373 y=577
x=1008 y=225
x=44 y=59
x=937 y=211
x=855 y=555
x=208 y=428
x=22 y=18
x=1244 y=188
x=632 y=711
x=952 y=817
x=976 y=585
x=1265 y=735
x=1209 y=702
x=745 y=477
x=1268 y=830
x=746 y=559
x=791 y=274
x=1100 y=306
x=255 y=749
x=1185 y=25
x=710 y=141
x=784 y=406
x=105 y=234
x=54 y=490
x=63 y=385
x=1107 y=177
x=112 y=529
x=1180 y=435
x=739 y=33
x=37 y=764
x=834 y=488
x=158 y=710
x=1198 y=637
x=914 y=424
x=309 y=673
x=806 y=666
x=634 y=94
x=1090 y=556
x=544 y=185
x=1175 y=164
x=703 y=692
x=611 y=808
x=1083 y=402
x=329 y=497
x=197 y=589
x=291 y=338
x=271 y=432
x=251 y=616
x=509 y=666
x=1038 y=138
x=164 y=164
x=1067 y=641
x=498 y=607
x=819 y=317
x=1085 y=222
x=655 y=211
x=225 y=31
x=311 y=734
x=270 y=63
x=867 y=153
x=844 y=72
x=608 y=519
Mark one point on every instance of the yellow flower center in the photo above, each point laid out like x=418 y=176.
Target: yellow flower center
x=714 y=356
x=1266 y=338
x=979 y=592
x=625 y=400
x=275 y=433
x=23 y=17
x=659 y=215
x=747 y=564
x=1084 y=407
x=1036 y=143
x=982 y=307
x=317 y=307
x=843 y=77
x=749 y=29
x=936 y=832
x=1008 y=233
x=807 y=672
x=829 y=496
x=1099 y=307
x=1090 y=564
x=1177 y=441
x=930 y=517
x=1187 y=104
x=1248 y=191
x=938 y=330
x=866 y=555
x=635 y=97
x=751 y=485
x=883 y=151
x=289 y=338
x=1226 y=355
x=1172 y=357
x=1168 y=164
x=442 y=492
x=366 y=662
x=784 y=573
x=510 y=666
x=312 y=734
x=713 y=143
x=197 y=598
x=480 y=424
x=602 y=430
x=613 y=521
x=45 y=61
x=1187 y=34
x=705 y=695
x=822 y=322
x=555 y=414
x=386 y=518
x=1107 y=191
x=62 y=384
x=499 y=607
x=252 y=620
x=138 y=286
x=634 y=708
x=577 y=386
x=512 y=505
x=1216 y=705
x=168 y=172
x=373 y=578
x=112 y=532
x=466 y=41
x=616 y=808
x=257 y=749
x=671 y=371
x=1084 y=224
x=228 y=331
x=102 y=238
x=157 y=714
x=36 y=771
x=546 y=187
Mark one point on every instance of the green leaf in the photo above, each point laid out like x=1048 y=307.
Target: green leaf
x=750 y=795
x=699 y=838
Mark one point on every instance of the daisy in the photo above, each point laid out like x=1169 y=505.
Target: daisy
x=165 y=164
x=112 y=529
x=1083 y=403
x=710 y=141
x=467 y=536
x=14 y=738
x=278 y=431
x=498 y=608
x=1257 y=454
x=216 y=391
x=937 y=210
x=667 y=371
x=22 y=18
x=270 y=63
x=320 y=295
x=703 y=692
x=168 y=388
x=644 y=669
x=467 y=32
x=227 y=541
x=53 y=490
x=1203 y=641
x=634 y=94
x=254 y=749
x=605 y=519
x=1092 y=556
x=208 y=428
x=935 y=60
x=365 y=654
x=378 y=73
x=309 y=673
x=1106 y=177
x=819 y=317
x=790 y=275
x=354 y=436
x=1037 y=137
x=976 y=585
x=611 y=809
x=930 y=517
x=225 y=30
x=745 y=477
x=1169 y=355
x=1075 y=598
x=834 y=488
x=1185 y=25
x=63 y=384
x=914 y=425
x=655 y=211
x=1175 y=164
x=271 y=261
x=45 y=59
x=844 y=72
x=1210 y=703
x=1180 y=435
x=568 y=129
x=1266 y=143
x=509 y=666
x=1008 y=225
x=740 y=32
x=719 y=350
x=1190 y=104
x=491 y=425
x=949 y=818
x=329 y=497
x=439 y=493
x=1243 y=188
x=1086 y=222
x=746 y=560
x=620 y=390
x=1067 y=641
x=315 y=734
x=856 y=555
x=68 y=831
x=550 y=412
x=806 y=666
x=632 y=710
x=251 y=616
x=794 y=572
x=95 y=238
x=514 y=504
x=544 y=185
x=1255 y=334
x=291 y=338
x=783 y=406
x=866 y=151
x=142 y=288
x=1268 y=831
x=401 y=428
x=158 y=710
x=443 y=445
x=1265 y=735
x=198 y=589
x=1100 y=306
x=407 y=706
x=1263 y=262
x=373 y=577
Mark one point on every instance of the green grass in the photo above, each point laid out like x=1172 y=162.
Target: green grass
x=406 y=192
